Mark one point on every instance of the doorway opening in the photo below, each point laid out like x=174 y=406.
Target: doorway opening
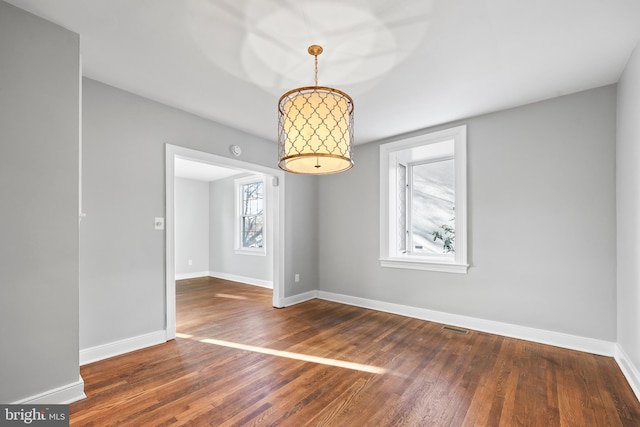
x=274 y=238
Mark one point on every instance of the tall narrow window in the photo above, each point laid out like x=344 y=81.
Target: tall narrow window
x=423 y=202
x=403 y=188
x=250 y=215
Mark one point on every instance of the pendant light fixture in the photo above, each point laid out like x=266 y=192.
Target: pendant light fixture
x=315 y=128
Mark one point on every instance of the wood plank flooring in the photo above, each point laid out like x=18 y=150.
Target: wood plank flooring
x=240 y=362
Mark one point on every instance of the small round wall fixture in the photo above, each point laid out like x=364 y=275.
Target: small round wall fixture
x=235 y=150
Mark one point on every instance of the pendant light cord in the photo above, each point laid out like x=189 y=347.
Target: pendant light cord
x=316 y=56
x=315 y=50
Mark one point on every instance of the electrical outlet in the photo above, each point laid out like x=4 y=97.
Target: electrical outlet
x=190 y=262
x=297 y=278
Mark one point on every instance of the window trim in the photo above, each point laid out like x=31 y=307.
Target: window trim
x=388 y=188
x=238 y=185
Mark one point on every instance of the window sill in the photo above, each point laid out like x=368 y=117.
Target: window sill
x=414 y=264
x=254 y=252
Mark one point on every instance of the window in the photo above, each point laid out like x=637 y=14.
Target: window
x=250 y=215
x=423 y=202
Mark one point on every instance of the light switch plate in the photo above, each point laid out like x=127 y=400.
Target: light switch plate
x=159 y=223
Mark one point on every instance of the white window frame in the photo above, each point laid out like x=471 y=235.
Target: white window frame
x=394 y=153
x=239 y=183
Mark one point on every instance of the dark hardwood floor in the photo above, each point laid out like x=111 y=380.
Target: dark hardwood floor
x=239 y=362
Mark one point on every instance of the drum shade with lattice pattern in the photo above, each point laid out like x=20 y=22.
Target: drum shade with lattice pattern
x=315 y=130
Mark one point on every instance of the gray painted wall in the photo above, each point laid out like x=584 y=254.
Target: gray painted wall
x=628 y=200
x=541 y=196
x=302 y=217
x=39 y=140
x=223 y=258
x=191 y=200
x=122 y=264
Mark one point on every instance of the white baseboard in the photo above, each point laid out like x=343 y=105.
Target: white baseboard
x=66 y=394
x=629 y=370
x=105 y=351
x=183 y=276
x=297 y=299
x=557 y=339
x=242 y=279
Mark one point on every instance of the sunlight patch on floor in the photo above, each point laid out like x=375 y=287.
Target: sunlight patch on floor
x=298 y=356
x=230 y=296
x=290 y=355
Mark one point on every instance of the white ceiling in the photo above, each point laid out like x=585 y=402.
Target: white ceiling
x=408 y=64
